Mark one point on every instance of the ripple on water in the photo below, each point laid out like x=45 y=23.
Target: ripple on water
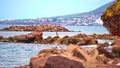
x=16 y=54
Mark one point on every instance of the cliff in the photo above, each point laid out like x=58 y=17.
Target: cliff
x=111 y=18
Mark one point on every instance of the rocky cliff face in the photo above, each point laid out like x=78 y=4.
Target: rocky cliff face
x=111 y=18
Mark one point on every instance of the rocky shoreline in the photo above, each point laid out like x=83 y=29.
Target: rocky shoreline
x=79 y=39
x=75 y=56
x=41 y=28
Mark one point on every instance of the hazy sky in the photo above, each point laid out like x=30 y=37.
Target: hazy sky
x=21 y=9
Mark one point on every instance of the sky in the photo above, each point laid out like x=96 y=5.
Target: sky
x=31 y=9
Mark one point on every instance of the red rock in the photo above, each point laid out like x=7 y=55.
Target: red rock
x=82 y=54
x=116 y=60
x=102 y=59
x=1 y=37
x=116 y=48
x=93 y=52
x=39 y=60
x=116 y=42
x=20 y=38
x=105 y=52
x=37 y=35
x=62 y=62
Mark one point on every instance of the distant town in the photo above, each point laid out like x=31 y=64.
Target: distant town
x=91 y=18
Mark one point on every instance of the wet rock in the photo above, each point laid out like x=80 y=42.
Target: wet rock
x=5 y=40
x=20 y=38
x=1 y=37
x=57 y=40
x=65 y=40
x=49 y=39
x=37 y=36
x=111 y=18
x=82 y=42
x=62 y=62
x=34 y=37
x=90 y=40
x=74 y=40
x=30 y=38
x=11 y=39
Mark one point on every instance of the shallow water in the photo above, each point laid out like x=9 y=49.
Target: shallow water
x=89 y=29
x=15 y=54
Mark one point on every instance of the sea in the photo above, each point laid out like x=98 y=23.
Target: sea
x=19 y=54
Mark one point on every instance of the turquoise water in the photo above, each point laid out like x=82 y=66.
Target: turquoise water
x=89 y=29
x=15 y=54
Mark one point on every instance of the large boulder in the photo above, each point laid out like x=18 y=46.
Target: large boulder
x=111 y=18
x=29 y=38
x=37 y=36
x=116 y=47
x=62 y=62
x=39 y=60
x=116 y=42
x=1 y=37
x=20 y=38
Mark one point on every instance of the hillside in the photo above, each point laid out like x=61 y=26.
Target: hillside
x=86 y=18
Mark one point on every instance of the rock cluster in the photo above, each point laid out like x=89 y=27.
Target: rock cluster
x=97 y=36
x=70 y=40
x=74 y=57
x=79 y=39
x=47 y=27
x=34 y=37
x=111 y=18
x=116 y=47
